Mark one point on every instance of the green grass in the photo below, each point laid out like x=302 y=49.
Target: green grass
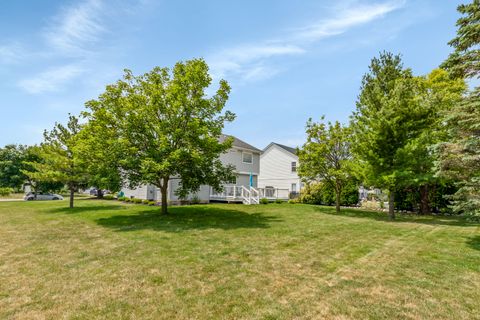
x=105 y=259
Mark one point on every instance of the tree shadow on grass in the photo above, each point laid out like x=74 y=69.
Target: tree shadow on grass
x=181 y=219
x=83 y=209
x=459 y=221
x=474 y=242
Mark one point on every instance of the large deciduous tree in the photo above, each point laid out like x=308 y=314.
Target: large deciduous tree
x=437 y=95
x=325 y=155
x=388 y=116
x=163 y=125
x=11 y=166
x=59 y=159
x=459 y=156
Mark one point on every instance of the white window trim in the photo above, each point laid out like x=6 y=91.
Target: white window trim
x=250 y=153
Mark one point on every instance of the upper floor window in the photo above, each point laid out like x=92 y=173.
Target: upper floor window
x=247 y=157
x=294 y=166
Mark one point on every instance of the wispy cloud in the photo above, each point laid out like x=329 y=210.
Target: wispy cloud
x=76 y=28
x=252 y=61
x=52 y=79
x=11 y=53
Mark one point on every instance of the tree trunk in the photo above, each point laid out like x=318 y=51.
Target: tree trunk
x=337 y=197
x=99 y=194
x=72 y=191
x=164 y=190
x=391 y=204
x=424 y=200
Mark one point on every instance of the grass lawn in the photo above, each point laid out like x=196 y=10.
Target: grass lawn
x=105 y=259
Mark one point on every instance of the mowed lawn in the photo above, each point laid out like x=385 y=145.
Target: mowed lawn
x=105 y=259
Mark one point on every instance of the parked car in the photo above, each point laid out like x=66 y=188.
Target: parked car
x=42 y=196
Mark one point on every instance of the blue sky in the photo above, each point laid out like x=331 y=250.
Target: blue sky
x=285 y=60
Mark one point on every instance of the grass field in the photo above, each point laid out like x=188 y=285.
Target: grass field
x=105 y=259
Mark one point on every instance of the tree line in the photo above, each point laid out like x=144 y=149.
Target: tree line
x=417 y=137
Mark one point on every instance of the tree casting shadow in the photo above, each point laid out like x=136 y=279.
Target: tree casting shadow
x=181 y=219
x=459 y=221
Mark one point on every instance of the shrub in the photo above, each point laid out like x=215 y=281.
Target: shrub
x=195 y=200
x=121 y=198
x=151 y=203
x=108 y=197
x=279 y=201
x=145 y=201
x=5 y=191
x=292 y=201
x=135 y=200
x=264 y=201
x=128 y=200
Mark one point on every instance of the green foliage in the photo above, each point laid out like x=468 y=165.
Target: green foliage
x=292 y=201
x=195 y=200
x=151 y=203
x=146 y=201
x=121 y=198
x=108 y=197
x=324 y=193
x=463 y=62
x=137 y=201
x=263 y=201
x=5 y=191
x=279 y=201
x=58 y=159
x=388 y=116
x=162 y=124
x=11 y=166
x=326 y=156
x=128 y=200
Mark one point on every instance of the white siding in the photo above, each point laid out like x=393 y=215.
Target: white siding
x=276 y=169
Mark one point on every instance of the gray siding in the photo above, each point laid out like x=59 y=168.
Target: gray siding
x=234 y=157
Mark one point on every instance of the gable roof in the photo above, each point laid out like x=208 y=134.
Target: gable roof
x=286 y=148
x=239 y=143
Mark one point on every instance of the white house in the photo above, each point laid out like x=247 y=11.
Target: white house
x=278 y=168
x=246 y=160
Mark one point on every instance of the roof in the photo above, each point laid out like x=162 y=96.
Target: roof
x=239 y=143
x=286 y=148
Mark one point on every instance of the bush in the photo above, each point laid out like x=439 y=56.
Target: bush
x=278 y=201
x=145 y=201
x=195 y=200
x=138 y=201
x=121 y=198
x=264 y=201
x=292 y=201
x=128 y=200
x=5 y=191
x=151 y=203
x=323 y=193
x=108 y=197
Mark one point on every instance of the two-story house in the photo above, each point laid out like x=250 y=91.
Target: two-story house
x=243 y=156
x=278 y=168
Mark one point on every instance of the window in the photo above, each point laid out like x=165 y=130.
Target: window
x=294 y=166
x=247 y=157
x=294 y=187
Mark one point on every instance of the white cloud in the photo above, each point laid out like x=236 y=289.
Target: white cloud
x=76 y=28
x=11 y=53
x=346 y=19
x=245 y=61
x=253 y=61
x=51 y=80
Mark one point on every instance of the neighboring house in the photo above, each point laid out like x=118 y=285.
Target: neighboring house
x=243 y=156
x=278 y=168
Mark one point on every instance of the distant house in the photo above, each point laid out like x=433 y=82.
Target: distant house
x=246 y=160
x=278 y=168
